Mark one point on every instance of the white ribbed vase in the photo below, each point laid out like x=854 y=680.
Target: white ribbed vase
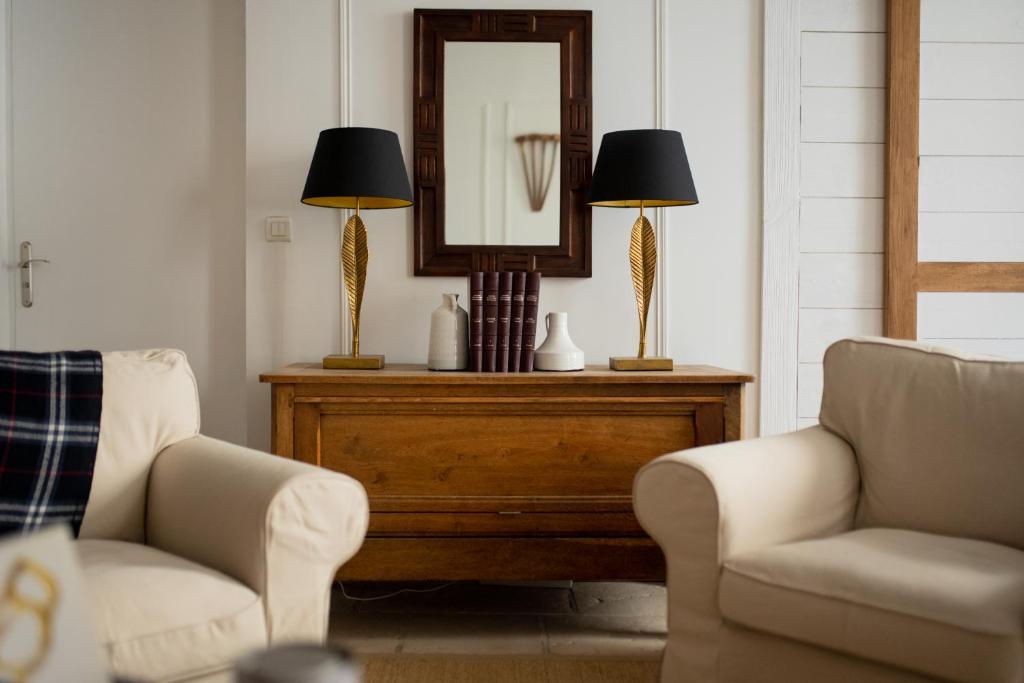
x=558 y=353
x=449 y=340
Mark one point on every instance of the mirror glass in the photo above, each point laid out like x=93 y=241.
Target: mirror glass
x=501 y=143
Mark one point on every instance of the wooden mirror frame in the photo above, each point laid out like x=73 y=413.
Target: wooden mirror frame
x=571 y=257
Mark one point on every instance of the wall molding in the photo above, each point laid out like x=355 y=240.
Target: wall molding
x=8 y=249
x=344 y=119
x=781 y=218
x=662 y=309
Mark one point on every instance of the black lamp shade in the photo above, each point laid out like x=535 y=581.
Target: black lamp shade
x=648 y=166
x=363 y=164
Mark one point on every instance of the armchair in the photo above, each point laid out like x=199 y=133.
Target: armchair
x=196 y=551
x=886 y=544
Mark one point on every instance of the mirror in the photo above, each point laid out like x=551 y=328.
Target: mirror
x=501 y=125
x=503 y=141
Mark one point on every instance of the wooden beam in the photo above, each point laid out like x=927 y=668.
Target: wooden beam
x=941 y=276
x=901 y=168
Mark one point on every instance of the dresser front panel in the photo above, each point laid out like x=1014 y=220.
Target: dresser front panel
x=537 y=447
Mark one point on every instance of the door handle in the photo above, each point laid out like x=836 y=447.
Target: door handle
x=25 y=266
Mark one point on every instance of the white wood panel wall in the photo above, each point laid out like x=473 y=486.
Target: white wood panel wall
x=972 y=165
x=842 y=134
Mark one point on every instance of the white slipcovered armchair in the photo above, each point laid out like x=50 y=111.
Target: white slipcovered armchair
x=886 y=544
x=196 y=551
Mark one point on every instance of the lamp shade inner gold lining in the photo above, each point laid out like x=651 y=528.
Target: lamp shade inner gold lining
x=646 y=203
x=364 y=202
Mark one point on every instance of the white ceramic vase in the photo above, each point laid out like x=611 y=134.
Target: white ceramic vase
x=558 y=353
x=449 y=335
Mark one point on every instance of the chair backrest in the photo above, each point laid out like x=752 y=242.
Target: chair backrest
x=150 y=401
x=939 y=436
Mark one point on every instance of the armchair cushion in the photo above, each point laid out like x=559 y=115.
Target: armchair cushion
x=150 y=401
x=938 y=435
x=943 y=606
x=161 y=617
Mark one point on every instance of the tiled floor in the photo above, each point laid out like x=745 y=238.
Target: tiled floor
x=609 y=619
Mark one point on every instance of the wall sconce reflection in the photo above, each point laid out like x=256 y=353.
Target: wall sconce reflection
x=538 y=152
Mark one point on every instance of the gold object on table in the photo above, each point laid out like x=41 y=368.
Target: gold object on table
x=643 y=261
x=18 y=604
x=354 y=257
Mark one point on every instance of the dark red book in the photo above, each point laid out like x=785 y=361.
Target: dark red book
x=476 y=322
x=490 y=322
x=531 y=308
x=515 y=330
x=504 y=319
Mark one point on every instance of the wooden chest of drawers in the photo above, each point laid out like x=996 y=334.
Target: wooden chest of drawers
x=500 y=476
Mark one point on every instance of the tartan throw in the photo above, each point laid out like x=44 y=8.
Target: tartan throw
x=50 y=407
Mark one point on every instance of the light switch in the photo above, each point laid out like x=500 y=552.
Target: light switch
x=279 y=229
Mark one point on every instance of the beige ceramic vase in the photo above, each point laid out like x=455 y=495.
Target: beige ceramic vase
x=449 y=335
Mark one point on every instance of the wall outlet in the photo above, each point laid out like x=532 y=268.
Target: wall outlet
x=279 y=229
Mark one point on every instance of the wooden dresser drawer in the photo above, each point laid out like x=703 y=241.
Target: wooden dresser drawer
x=536 y=447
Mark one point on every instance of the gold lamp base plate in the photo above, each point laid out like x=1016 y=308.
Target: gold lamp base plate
x=635 y=364
x=360 y=362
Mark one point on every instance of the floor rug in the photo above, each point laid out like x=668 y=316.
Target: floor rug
x=511 y=669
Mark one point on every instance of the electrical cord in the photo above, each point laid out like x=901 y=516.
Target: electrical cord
x=391 y=595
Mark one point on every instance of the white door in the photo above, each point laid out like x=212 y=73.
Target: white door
x=126 y=172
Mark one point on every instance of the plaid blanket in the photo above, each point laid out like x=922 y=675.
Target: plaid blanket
x=50 y=407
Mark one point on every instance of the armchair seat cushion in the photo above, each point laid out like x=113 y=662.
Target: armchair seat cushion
x=944 y=606
x=164 y=618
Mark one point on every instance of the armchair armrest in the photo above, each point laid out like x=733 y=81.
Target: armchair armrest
x=279 y=526
x=749 y=494
x=705 y=505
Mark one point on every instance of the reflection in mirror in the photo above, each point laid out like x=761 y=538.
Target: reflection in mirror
x=501 y=147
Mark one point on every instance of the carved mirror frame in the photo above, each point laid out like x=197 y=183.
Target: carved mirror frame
x=571 y=257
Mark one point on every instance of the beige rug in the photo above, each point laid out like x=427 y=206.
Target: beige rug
x=510 y=669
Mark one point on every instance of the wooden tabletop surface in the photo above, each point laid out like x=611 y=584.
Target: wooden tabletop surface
x=407 y=373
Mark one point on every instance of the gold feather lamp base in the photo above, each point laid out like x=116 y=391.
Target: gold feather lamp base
x=643 y=261
x=344 y=362
x=354 y=257
x=632 y=363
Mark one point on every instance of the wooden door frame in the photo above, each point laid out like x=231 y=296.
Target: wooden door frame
x=9 y=256
x=904 y=275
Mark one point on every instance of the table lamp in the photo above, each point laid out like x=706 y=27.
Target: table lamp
x=356 y=168
x=642 y=168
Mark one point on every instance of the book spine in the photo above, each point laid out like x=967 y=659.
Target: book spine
x=504 y=319
x=515 y=332
x=476 y=321
x=490 y=321
x=531 y=308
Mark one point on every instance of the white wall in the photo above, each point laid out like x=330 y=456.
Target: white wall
x=713 y=95
x=712 y=92
x=292 y=91
x=127 y=171
x=842 y=136
x=971 y=201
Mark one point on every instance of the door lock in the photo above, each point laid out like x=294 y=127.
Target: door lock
x=25 y=265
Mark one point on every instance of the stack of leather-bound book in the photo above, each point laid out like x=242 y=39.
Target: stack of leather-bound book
x=502 y=320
